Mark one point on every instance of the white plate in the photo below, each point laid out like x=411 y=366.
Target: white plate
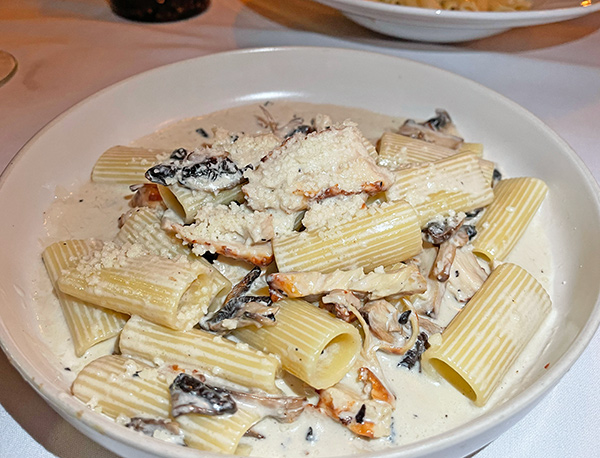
x=442 y=26
x=63 y=153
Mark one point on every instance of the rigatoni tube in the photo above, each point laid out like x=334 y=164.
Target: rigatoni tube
x=125 y=164
x=186 y=202
x=312 y=344
x=202 y=351
x=171 y=292
x=88 y=324
x=490 y=332
x=121 y=387
x=516 y=200
x=453 y=184
x=380 y=235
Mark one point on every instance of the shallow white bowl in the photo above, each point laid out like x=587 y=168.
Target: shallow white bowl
x=64 y=152
x=442 y=26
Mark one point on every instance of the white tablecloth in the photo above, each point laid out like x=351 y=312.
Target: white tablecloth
x=69 y=49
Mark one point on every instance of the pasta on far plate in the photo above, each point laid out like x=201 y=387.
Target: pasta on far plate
x=465 y=5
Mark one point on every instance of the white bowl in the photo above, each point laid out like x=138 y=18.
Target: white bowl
x=64 y=151
x=442 y=26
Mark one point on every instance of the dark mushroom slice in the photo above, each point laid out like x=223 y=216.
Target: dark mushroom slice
x=163 y=174
x=244 y=284
x=418 y=131
x=440 y=122
x=284 y=409
x=211 y=174
x=169 y=430
x=242 y=311
x=437 y=232
x=446 y=253
x=199 y=170
x=413 y=356
x=191 y=395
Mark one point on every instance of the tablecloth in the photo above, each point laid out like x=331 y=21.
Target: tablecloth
x=69 y=49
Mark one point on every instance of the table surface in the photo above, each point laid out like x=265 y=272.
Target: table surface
x=69 y=49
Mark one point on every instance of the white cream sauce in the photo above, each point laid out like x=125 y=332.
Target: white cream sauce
x=425 y=407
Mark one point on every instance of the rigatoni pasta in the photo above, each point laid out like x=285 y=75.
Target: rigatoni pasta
x=88 y=323
x=172 y=292
x=186 y=202
x=516 y=200
x=123 y=388
x=311 y=344
x=477 y=348
x=453 y=184
x=124 y=164
x=396 y=151
x=200 y=350
x=272 y=267
x=379 y=236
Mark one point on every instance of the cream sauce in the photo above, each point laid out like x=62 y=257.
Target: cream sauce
x=425 y=407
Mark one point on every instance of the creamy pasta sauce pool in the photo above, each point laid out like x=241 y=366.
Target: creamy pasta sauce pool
x=424 y=406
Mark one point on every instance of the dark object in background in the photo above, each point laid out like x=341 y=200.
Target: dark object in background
x=158 y=10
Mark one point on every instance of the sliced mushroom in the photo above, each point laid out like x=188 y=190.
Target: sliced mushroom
x=434 y=130
x=339 y=302
x=396 y=329
x=161 y=429
x=284 y=409
x=201 y=170
x=239 y=310
x=446 y=253
x=441 y=122
x=437 y=232
x=191 y=395
x=413 y=356
x=244 y=285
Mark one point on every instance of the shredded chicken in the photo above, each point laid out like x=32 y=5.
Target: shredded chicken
x=340 y=303
x=466 y=277
x=397 y=330
x=233 y=231
x=403 y=280
x=446 y=253
x=331 y=162
x=363 y=405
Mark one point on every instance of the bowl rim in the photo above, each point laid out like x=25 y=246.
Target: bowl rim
x=73 y=410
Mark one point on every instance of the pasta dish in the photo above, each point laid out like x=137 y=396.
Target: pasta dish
x=466 y=5
x=273 y=286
